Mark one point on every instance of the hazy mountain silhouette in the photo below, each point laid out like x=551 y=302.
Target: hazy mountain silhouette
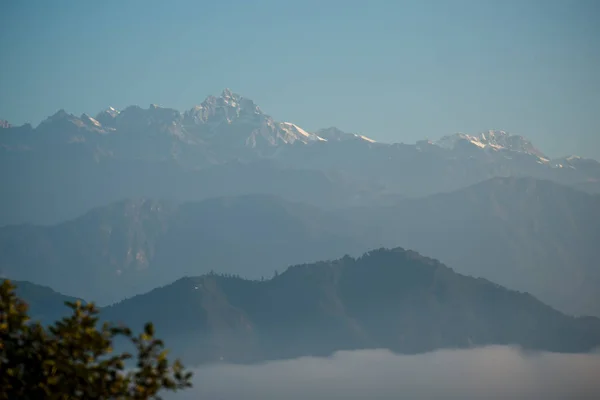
x=132 y=246
x=526 y=234
x=393 y=299
x=69 y=164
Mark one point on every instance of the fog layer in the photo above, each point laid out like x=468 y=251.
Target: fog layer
x=485 y=373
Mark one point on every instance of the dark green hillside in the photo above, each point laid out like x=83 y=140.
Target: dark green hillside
x=392 y=299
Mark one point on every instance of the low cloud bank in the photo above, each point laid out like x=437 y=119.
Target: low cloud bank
x=484 y=373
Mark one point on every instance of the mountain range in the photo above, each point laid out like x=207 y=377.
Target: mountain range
x=69 y=164
x=526 y=234
x=191 y=220
x=394 y=299
x=133 y=246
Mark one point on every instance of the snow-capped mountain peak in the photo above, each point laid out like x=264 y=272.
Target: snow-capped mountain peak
x=228 y=94
x=494 y=140
x=226 y=108
x=112 y=111
x=236 y=121
x=108 y=117
x=299 y=133
x=337 y=135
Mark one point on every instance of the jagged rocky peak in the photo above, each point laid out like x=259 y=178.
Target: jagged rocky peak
x=163 y=114
x=227 y=94
x=491 y=139
x=62 y=121
x=60 y=117
x=152 y=110
x=60 y=114
x=107 y=117
x=234 y=100
x=131 y=113
x=110 y=111
x=225 y=108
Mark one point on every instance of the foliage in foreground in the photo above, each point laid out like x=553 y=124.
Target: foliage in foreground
x=73 y=358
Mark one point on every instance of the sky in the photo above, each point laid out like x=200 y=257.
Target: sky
x=397 y=71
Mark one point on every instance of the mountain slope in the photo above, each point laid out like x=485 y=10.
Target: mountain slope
x=526 y=234
x=393 y=299
x=45 y=305
x=132 y=246
x=71 y=188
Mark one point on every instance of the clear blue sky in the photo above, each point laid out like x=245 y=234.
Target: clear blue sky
x=394 y=70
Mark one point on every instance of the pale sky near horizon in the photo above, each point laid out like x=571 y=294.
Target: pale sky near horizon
x=396 y=71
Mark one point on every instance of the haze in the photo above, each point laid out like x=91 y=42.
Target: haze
x=282 y=186
x=486 y=373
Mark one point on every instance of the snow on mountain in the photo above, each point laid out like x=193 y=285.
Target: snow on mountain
x=492 y=140
x=229 y=125
x=366 y=139
x=576 y=162
x=62 y=120
x=107 y=117
x=229 y=107
x=90 y=121
x=229 y=121
x=234 y=120
x=300 y=133
x=112 y=112
x=337 y=135
x=4 y=124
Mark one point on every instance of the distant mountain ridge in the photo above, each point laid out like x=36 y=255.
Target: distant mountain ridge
x=392 y=299
x=492 y=140
x=234 y=120
x=83 y=162
x=132 y=246
x=253 y=128
x=525 y=234
x=229 y=120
